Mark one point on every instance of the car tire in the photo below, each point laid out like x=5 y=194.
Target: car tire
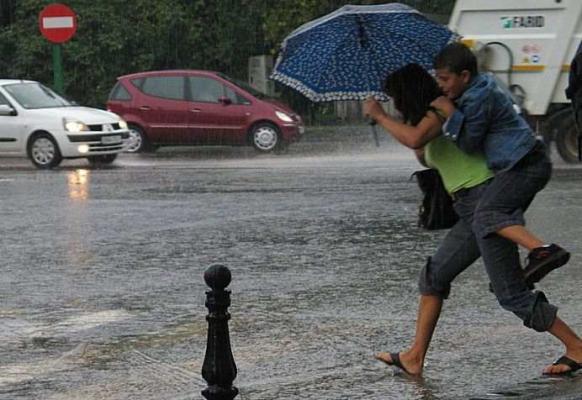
x=265 y=137
x=567 y=140
x=104 y=159
x=44 y=151
x=138 y=142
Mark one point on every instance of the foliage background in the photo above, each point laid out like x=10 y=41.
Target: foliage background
x=117 y=37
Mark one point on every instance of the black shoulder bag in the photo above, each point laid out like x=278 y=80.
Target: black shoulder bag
x=436 y=210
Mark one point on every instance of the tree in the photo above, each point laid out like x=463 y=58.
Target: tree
x=113 y=39
x=7 y=9
x=117 y=37
x=290 y=14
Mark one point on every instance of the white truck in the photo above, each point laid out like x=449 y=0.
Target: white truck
x=528 y=44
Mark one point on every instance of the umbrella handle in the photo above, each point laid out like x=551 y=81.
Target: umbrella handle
x=372 y=122
x=373 y=125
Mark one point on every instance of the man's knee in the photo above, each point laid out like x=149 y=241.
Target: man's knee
x=489 y=221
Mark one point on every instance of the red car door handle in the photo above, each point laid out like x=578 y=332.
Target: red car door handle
x=145 y=108
x=195 y=110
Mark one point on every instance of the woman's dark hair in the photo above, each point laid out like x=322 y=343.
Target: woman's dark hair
x=412 y=89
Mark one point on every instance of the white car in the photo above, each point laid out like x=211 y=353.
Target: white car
x=37 y=122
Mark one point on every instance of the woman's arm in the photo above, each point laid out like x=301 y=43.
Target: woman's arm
x=419 y=153
x=410 y=136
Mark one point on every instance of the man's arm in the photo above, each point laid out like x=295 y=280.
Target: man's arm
x=466 y=128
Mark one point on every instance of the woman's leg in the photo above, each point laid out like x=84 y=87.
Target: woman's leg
x=457 y=252
x=429 y=310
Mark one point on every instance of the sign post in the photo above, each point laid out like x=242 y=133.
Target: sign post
x=58 y=24
x=58 y=79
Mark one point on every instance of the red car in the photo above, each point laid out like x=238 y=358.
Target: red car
x=192 y=107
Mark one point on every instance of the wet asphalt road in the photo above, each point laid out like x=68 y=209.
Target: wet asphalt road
x=102 y=296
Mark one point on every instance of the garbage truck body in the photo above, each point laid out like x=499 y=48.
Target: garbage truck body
x=528 y=45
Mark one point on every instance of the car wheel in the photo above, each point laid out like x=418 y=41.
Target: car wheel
x=265 y=137
x=138 y=142
x=44 y=152
x=104 y=159
x=567 y=141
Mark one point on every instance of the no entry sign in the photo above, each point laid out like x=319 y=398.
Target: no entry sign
x=57 y=22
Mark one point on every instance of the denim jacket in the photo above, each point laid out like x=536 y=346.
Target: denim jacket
x=486 y=121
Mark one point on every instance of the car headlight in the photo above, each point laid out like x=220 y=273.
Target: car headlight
x=122 y=124
x=283 y=117
x=75 y=126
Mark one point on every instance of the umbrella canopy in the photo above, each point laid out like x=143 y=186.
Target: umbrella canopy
x=347 y=54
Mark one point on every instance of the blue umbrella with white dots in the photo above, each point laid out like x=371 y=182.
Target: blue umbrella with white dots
x=347 y=54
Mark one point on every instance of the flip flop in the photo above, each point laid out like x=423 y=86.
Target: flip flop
x=395 y=361
x=574 y=366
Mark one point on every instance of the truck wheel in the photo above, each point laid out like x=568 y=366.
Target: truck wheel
x=567 y=141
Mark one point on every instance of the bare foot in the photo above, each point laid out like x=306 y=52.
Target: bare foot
x=406 y=361
x=570 y=362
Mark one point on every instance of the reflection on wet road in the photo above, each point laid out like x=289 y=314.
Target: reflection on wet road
x=79 y=184
x=102 y=296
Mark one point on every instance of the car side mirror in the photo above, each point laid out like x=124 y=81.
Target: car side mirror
x=5 y=109
x=224 y=100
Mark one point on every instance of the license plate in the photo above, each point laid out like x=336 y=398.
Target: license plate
x=111 y=139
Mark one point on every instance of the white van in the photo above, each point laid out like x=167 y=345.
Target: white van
x=37 y=122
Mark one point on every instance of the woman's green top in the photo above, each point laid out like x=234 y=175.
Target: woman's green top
x=458 y=170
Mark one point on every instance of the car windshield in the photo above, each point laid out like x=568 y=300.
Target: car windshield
x=245 y=86
x=35 y=95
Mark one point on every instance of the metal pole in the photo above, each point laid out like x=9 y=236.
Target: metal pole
x=219 y=369
x=58 y=69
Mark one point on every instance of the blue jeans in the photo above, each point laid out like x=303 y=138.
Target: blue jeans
x=510 y=193
x=461 y=248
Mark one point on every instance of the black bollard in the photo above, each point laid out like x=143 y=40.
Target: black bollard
x=219 y=369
